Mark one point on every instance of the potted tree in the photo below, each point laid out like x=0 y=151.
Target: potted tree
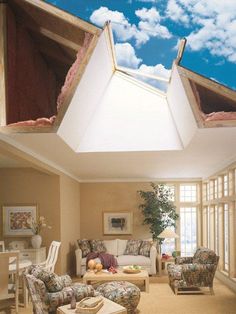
x=158 y=209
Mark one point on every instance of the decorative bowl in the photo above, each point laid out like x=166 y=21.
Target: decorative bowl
x=132 y=269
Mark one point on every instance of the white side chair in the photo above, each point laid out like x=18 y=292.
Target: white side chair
x=51 y=260
x=9 y=291
x=2 y=246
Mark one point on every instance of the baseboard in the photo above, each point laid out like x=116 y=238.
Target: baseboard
x=226 y=280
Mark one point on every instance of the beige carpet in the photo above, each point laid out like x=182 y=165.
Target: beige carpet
x=161 y=300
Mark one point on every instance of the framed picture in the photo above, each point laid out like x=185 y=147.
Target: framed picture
x=117 y=222
x=17 y=220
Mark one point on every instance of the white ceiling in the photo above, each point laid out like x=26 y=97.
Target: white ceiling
x=94 y=144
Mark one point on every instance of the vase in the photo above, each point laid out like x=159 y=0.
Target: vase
x=36 y=241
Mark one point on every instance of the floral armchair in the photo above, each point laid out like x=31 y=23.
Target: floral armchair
x=193 y=272
x=49 y=291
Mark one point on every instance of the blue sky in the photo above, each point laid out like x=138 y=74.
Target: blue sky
x=147 y=32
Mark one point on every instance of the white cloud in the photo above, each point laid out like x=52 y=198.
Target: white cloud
x=214 y=22
x=149 y=25
x=176 y=13
x=159 y=70
x=125 y=55
x=120 y=25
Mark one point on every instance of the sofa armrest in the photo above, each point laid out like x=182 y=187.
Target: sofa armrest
x=78 y=256
x=153 y=258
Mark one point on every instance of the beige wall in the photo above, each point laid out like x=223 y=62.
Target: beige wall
x=29 y=186
x=57 y=198
x=98 y=197
x=70 y=222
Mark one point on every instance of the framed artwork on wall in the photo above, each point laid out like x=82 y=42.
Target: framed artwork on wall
x=117 y=222
x=17 y=220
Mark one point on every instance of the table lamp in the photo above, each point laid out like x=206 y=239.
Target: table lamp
x=167 y=233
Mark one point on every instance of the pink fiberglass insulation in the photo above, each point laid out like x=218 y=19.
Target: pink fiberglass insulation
x=61 y=97
x=73 y=70
x=31 y=83
x=221 y=115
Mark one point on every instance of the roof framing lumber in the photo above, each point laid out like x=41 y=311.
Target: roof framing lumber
x=3 y=65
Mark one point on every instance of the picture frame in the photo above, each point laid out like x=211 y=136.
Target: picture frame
x=17 y=220
x=117 y=223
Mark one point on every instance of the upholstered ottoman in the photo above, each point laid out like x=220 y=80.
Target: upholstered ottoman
x=121 y=292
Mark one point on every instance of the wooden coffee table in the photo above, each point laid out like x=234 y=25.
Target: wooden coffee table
x=108 y=307
x=90 y=276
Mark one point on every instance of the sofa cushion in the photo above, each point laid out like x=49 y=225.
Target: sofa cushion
x=51 y=280
x=132 y=247
x=111 y=246
x=85 y=247
x=98 y=246
x=145 y=248
x=124 y=260
x=121 y=246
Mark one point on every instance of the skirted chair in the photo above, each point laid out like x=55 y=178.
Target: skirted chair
x=49 y=291
x=189 y=274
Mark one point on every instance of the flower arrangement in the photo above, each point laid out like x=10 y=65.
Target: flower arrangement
x=37 y=225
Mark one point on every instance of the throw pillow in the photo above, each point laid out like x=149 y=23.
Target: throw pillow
x=145 y=248
x=98 y=246
x=51 y=280
x=132 y=247
x=85 y=247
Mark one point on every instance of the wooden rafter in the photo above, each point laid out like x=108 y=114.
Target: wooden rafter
x=3 y=65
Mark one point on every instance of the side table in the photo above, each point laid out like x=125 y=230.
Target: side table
x=108 y=307
x=161 y=260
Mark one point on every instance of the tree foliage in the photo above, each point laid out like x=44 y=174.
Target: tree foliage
x=158 y=209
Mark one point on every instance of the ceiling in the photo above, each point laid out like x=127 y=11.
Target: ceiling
x=118 y=129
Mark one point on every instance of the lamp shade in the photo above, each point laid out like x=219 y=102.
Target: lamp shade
x=167 y=233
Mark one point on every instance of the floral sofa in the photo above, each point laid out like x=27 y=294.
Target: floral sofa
x=193 y=272
x=127 y=252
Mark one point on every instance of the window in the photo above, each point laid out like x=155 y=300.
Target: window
x=215 y=188
x=216 y=231
x=168 y=245
x=225 y=185
x=188 y=225
x=220 y=187
x=188 y=193
x=208 y=227
x=226 y=237
x=211 y=190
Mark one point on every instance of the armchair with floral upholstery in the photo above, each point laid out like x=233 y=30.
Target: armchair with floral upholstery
x=194 y=272
x=49 y=291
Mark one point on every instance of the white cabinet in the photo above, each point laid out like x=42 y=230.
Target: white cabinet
x=36 y=256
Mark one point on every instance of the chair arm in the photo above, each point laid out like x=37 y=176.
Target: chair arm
x=153 y=258
x=66 y=280
x=78 y=255
x=183 y=260
x=198 y=274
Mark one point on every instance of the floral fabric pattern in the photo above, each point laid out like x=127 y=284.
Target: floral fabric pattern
x=98 y=246
x=51 y=280
x=191 y=272
x=85 y=247
x=45 y=302
x=204 y=256
x=122 y=292
x=145 y=248
x=132 y=247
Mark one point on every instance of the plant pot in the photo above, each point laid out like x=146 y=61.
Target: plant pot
x=36 y=241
